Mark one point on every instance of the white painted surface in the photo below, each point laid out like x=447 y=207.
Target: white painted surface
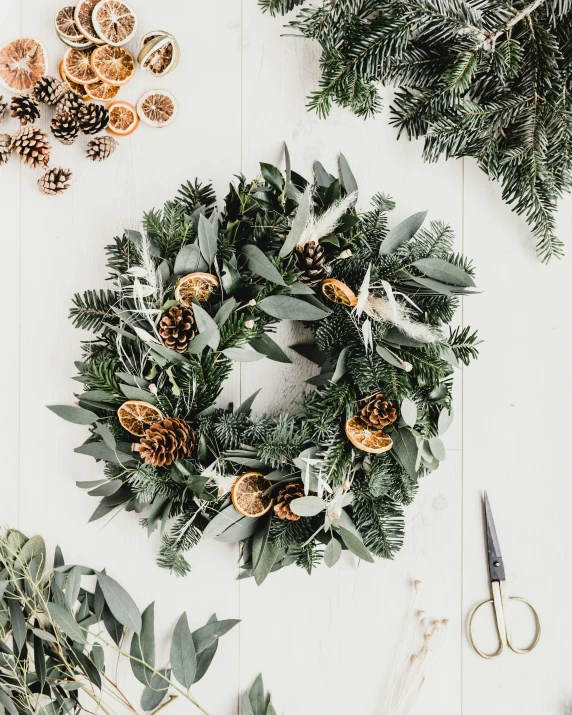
x=326 y=644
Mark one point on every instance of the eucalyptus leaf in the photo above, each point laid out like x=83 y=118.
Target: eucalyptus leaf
x=259 y=264
x=332 y=552
x=136 y=393
x=99 y=450
x=438 y=448
x=120 y=602
x=348 y=179
x=307 y=506
x=225 y=311
x=445 y=272
x=341 y=365
x=247 y=404
x=166 y=354
x=445 y=419
x=267 y=346
x=405 y=450
x=389 y=357
x=273 y=176
x=402 y=233
x=355 y=544
x=105 y=433
x=72 y=413
x=154 y=695
x=298 y=225
x=66 y=622
x=183 y=653
x=242 y=355
x=243 y=528
x=189 y=260
x=222 y=521
x=289 y=308
x=143 y=647
x=409 y=412
x=208 y=240
x=204 y=637
x=204 y=323
x=201 y=340
x=18 y=623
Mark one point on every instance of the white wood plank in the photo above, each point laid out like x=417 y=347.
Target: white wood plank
x=518 y=458
x=336 y=633
x=62 y=252
x=11 y=286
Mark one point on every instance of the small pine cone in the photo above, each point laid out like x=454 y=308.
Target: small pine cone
x=92 y=118
x=71 y=103
x=285 y=496
x=50 y=90
x=178 y=328
x=5 y=141
x=65 y=128
x=3 y=107
x=32 y=146
x=376 y=412
x=311 y=262
x=166 y=441
x=100 y=148
x=55 y=181
x=25 y=108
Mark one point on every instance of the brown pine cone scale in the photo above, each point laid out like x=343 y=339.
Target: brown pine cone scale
x=376 y=412
x=55 y=181
x=25 y=108
x=285 y=496
x=5 y=141
x=165 y=441
x=311 y=262
x=32 y=146
x=178 y=328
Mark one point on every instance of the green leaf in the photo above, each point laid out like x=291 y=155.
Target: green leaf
x=323 y=177
x=267 y=346
x=105 y=433
x=204 y=637
x=272 y=176
x=154 y=695
x=201 y=340
x=18 y=623
x=245 y=705
x=259 y=264
x=247 y=404
x=99 y=450
x=332 y=552
x=208 y=240
x=205 y=658
x=7 y=703
x=136 y=393
x=183 y=654
x=143 y=647
x=189 y=260
x=433 y=285
x=74 y=414
x=341 y=366
x=348 y=179
x=243 y=528
x=224 y=312
x=438 y=448
x=242 y=354
x=40 y=662
x=73 y=584
x=120 y=603
x=166 y=353
x=402 y=233
x=445 y=419
x=389 y=357
x=222 y=521
x=307 y=506
x=44 y=635
x=206 y=323
x=405 y=449
x=409 y=412
x=445 y=272
x=288 y=163
x=287 y=308
x=298 y=225
x=355 y=545
x=256 y=696
x=66 y=622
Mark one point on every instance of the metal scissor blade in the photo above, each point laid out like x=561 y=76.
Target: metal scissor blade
x=496 y=567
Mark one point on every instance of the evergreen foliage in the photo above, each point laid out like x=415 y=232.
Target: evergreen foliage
x=407 y=282
x=482 y=78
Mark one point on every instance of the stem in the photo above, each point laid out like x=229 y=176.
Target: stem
x=164 y=705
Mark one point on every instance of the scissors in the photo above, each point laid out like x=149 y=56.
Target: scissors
x=499 y=600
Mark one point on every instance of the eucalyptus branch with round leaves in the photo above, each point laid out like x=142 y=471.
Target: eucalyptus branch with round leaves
x=56 y=635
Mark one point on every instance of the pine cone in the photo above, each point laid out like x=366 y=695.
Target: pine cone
x=92 y=118
x=55 y=181
x=3 y=107
x=65 y=128
x=285 y=496
x=50 y=90
x=178 y=328
x=5 y=148
x=71 y=103
x=311 y=262
x=25 y=108
x=166 y=441
x=100 y=148
x=32 y=146
x=376 y=412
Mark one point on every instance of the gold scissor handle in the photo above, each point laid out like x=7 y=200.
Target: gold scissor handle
x=500 y=604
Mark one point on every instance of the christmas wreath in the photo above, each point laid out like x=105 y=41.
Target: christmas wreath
x=478 y=78
x=195 y=292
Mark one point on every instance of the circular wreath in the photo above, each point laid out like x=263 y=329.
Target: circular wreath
x=197 y=291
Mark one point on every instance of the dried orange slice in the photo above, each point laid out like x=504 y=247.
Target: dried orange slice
x=195 y=285
x=368 y=440
x=77 y=66
x=79 y=89
x=248 y=494
x=338 y=292
x=136 y=416
x=159 y=53
x=67 y=30
x=83 y=19
x=114 y=21
x=102 y=91
x=22 y=63
x=123 y=119
x=157 y=108
x=113 y=65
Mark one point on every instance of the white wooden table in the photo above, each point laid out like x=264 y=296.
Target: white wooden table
x=326 y=643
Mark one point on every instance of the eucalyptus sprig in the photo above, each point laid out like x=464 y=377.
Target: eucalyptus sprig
x=56 y=636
